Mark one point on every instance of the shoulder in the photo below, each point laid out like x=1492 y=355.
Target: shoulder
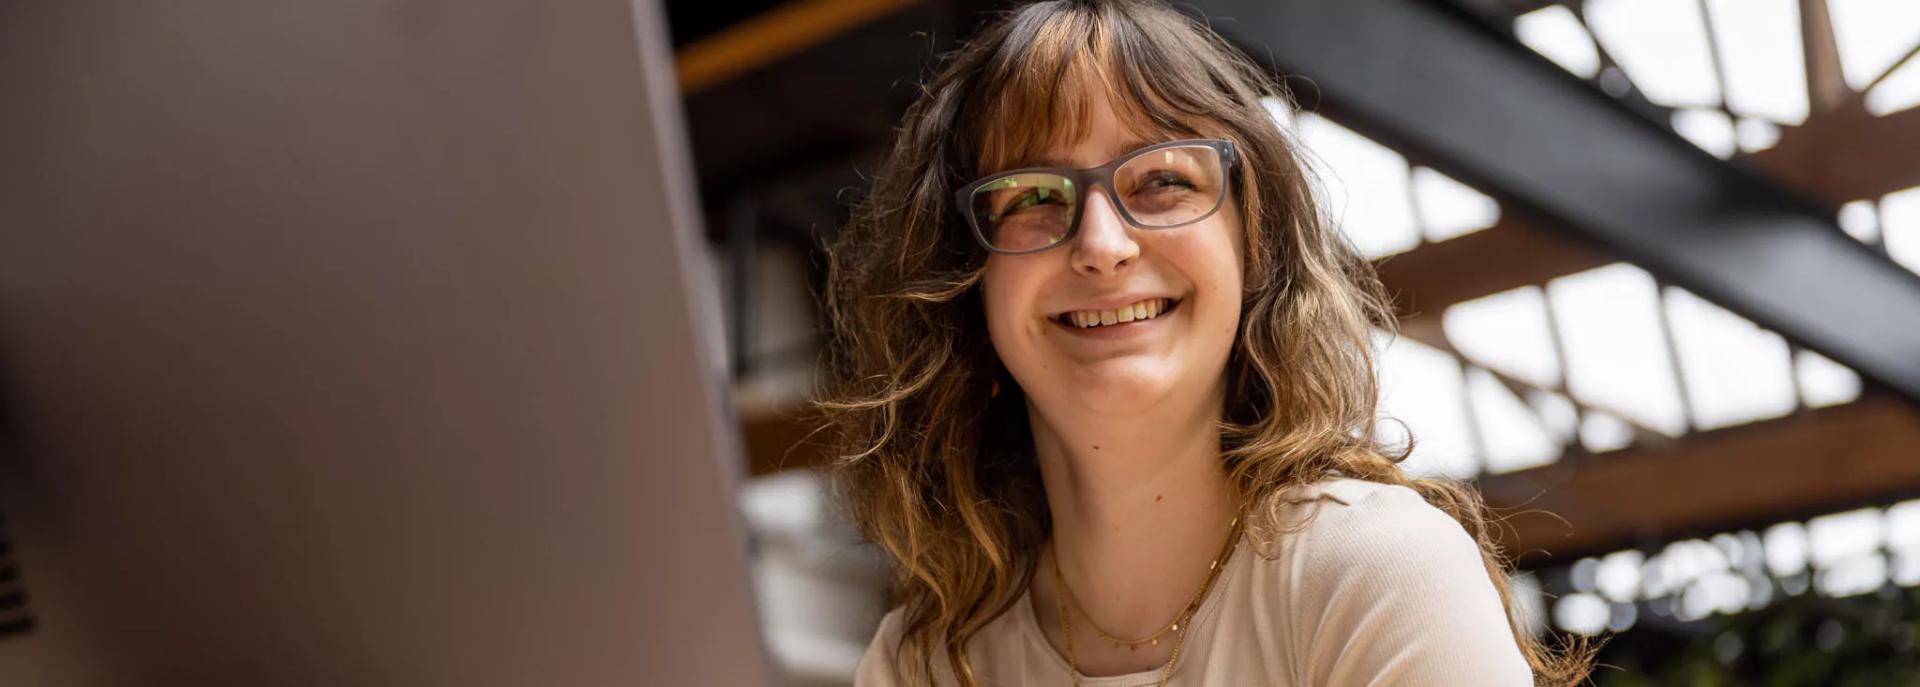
x=879 y=666
x=1345 y=518
x=1346 y=532
x=1373 y=577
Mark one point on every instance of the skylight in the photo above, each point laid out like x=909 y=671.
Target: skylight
x=1736 y=372
x=1514 y=438
x=1557 y=413
x=1860 y=220
x=1422 y=387
x=1824 y=382
x=1662 y=45
x=1872 y=34
x=1602 y=432
x=1448 y=208
x=1759 y=48
x=1363 y=185
x=1507 y=331
x=1711 y=130
x=1616 y=349
x=1553 y=31
x=1900 y=226
x=1900 y=91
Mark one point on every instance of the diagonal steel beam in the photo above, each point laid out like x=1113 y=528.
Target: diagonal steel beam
x=1428 y=79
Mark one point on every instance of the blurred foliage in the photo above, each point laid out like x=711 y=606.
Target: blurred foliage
x=1860 y=641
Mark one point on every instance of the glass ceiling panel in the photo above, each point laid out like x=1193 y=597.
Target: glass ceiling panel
x=1711 y=130
x=1872 y=34
x=1860 y=220
x=1363 y=186
x=1616 y=351
x=1514 y=438
x=1450 y=209
x=1759 y=47
x=1824 y=382
x=1602 y=432
x=1507 y=331
x=1662 y=45
x=1553 y=31
x=1422 y=387
x=1900 y=91
x=1736 y=372
x=1900 y=226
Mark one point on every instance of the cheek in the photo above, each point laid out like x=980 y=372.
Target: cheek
x=1004 y=297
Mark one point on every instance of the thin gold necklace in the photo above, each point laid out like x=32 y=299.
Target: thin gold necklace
x=1180 y=625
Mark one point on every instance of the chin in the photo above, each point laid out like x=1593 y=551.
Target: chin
x=1129 y=390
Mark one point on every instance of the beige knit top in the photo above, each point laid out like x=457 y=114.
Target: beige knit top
x=1379 y=588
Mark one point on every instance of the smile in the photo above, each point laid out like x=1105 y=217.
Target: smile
x=1144 y=310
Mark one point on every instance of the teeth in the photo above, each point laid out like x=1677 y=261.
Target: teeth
x=1142 y=310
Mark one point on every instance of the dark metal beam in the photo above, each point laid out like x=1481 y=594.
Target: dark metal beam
x=1435 y=82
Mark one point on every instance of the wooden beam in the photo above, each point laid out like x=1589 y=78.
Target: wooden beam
x=1826 y=84
x=1802 y=465
x=1513 y=253
x=1846 y=154
x=772 y=35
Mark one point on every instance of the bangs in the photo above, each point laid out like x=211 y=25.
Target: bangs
x=1039 y=89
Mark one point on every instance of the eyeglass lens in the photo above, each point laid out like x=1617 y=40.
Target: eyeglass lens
x=1162 y=188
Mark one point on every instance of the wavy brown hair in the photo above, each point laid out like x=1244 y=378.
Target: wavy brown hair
x=940 y=471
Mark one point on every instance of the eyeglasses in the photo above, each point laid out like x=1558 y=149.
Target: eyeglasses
x=1160 y=186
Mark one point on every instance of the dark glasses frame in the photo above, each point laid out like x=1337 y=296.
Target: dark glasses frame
x=1084 y=181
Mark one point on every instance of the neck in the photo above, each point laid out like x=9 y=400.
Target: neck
x=1140 y=508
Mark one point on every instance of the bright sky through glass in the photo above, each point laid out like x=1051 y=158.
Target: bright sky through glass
x=1555 y=32
x=1364 y=185
x=1824 y=382
x=1711 y=130
x=1514 y=438
x=1507 y=331
x=1860 y=220
x=1450 y=209
x=1755 y=134
x=1603 y=432
x=1900 y=91
x=1422 y=387
x=1557 y=412
x=1872 y=34
x=1662 y=45
x=1616 y=350
x=1736 y=372
x=1900 y=226
x=1759 y=45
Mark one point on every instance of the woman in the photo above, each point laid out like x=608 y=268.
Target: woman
x=1104 y=391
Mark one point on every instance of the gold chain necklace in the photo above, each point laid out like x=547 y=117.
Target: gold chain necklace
x=1184 y=617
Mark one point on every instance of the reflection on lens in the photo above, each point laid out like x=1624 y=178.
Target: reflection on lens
x=1025 y=211
x=1170 y=186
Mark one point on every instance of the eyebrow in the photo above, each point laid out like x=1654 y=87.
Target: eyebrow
x=1126 y=146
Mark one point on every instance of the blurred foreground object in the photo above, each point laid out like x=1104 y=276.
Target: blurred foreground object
x=360 y=343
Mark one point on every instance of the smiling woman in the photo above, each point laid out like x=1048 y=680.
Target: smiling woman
x=1102 y=386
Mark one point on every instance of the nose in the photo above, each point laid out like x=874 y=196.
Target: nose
x=1105 y=246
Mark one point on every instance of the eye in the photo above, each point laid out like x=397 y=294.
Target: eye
x=1037 y=195
x=1165 y=179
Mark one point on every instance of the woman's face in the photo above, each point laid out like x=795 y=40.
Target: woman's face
x=1178 y=355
